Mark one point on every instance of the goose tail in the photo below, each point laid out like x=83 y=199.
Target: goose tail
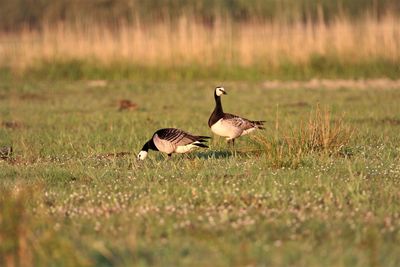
x=202 y=138
x=259 y=124
x=200 y=145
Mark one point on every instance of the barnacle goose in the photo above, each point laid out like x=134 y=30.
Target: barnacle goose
x=171 y=140
x=229 y=125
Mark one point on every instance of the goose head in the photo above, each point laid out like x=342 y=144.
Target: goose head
x=143 y=153
x=220 y=91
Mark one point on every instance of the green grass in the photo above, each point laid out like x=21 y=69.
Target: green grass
x=318 y=67
x=63 y=202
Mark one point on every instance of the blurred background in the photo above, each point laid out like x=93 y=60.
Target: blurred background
x=199 y=39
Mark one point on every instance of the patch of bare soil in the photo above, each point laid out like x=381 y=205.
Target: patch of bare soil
x=19 y=161
x=391 y=121
x=352 y=98
x=168 y=107
x=334 y=84
x=126 y=104
x=384 y=121
x=30 y=96
x=11 y=124
x=300 y=104
x=113 y=155
x=97 y=83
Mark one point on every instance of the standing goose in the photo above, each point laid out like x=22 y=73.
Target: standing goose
x=229 y=125
x=171 y=140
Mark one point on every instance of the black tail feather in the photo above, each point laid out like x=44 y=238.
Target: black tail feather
x=200 y=145
x=203 y=137
x=259 y=124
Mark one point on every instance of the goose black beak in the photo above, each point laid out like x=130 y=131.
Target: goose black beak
x=225 y=93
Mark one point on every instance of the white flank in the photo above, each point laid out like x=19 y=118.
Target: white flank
x=248 y=131
x=225 y=129
x=184 y=149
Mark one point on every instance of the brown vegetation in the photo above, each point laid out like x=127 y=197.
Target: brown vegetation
x=361 y=84
x=126 y=104
x=320 y=134
x=188 y=42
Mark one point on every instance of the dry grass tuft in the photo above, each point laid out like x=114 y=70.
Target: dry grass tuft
x=320 y=134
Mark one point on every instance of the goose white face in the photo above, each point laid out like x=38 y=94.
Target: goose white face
x=220 y=91
x=142 y=155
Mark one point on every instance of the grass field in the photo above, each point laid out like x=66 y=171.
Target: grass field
x=67 y=200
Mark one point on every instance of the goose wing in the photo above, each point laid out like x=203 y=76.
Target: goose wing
x=241 y=123
x=177 y=137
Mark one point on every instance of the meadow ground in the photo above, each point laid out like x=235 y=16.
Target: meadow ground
x=67 y=200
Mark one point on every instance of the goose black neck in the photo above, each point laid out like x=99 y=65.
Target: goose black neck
x=149 y=145
x=218 y=112
x=218 y=105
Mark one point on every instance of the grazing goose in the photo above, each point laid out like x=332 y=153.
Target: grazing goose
x=228 y=125
x=171 y=140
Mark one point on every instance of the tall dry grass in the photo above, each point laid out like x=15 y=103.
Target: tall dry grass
x=187 y=42
x=321 y=134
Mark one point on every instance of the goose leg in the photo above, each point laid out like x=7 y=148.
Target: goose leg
x=231 y=142
x=233 y=146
